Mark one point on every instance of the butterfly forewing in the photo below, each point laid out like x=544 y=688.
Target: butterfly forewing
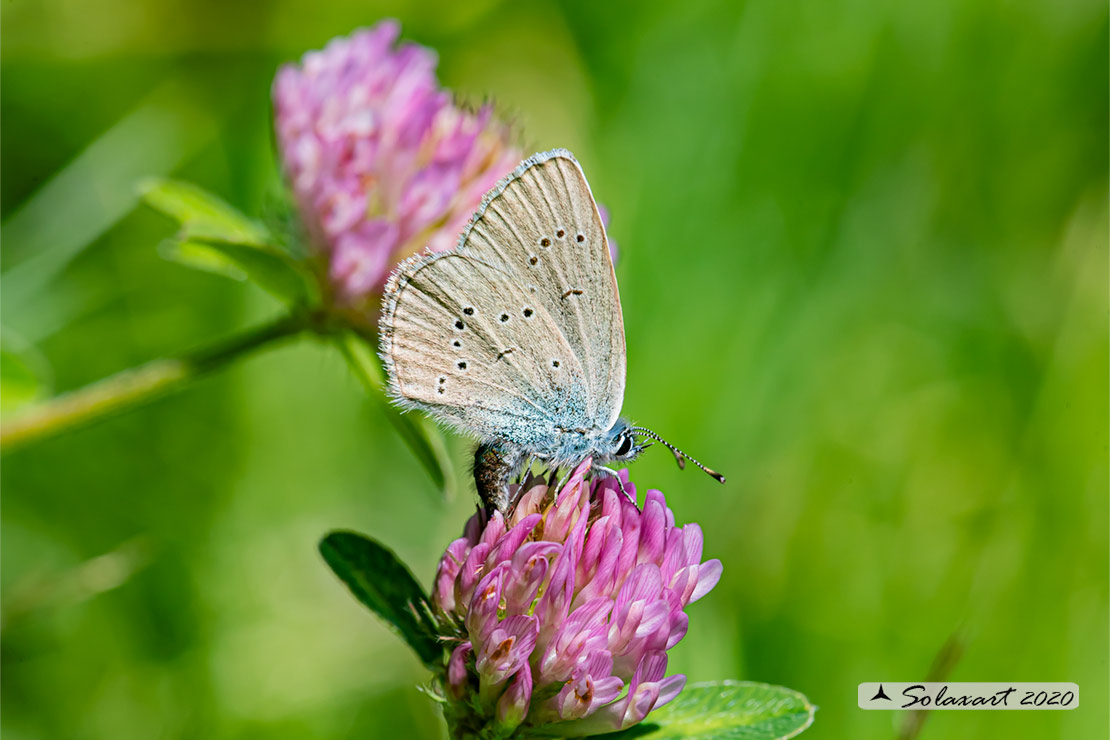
x=517 y=333
x=544 y=223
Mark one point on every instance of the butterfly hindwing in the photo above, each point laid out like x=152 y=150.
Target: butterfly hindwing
x=452 y=354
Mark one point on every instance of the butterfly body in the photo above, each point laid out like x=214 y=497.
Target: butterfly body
x=498 y=461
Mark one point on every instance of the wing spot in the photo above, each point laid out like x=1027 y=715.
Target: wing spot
x=459 y=324
x=572 y=291
x=462 y=365
x=468 y=311
x=579 y=238
x=554 y=363
x=545 y=242
x=527 y=313
x=533 y=259
x=442 y=379
x=560 y=233
x=440 y=390
x=504 y=317
x=456 y=343
x=503 y=353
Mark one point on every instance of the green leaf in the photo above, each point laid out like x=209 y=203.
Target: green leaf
x=201 y=213
x=419 y=433
x=726 y=710
x=271 y=269
x=382 y=582
x=25 y=374
x=217 y=238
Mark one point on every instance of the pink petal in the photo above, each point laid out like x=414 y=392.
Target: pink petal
x=669 y=688
x=513 y=705
x=653 y=533
x=606 y=690
x=456 y=668
x=679 y=625
x=448 y=571
x=709 y=573
x=643 y=584
x=520 y=531
x=652 y=668
x=639 y=704
x=495 y=528
x=692 y=539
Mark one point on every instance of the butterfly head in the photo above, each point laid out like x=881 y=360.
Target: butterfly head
x=620 y=443
x=625 y=446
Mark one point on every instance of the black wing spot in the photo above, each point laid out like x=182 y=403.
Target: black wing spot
x=442 y=379
x=560 y=233
x=572 y=291
x=462 y=365
x=503 y=352
x=460 y=325
x=579 y=238
x=527 y=313
x=545 y=242
x=456 y=343
x=468 y=311
x=554 y=363
x=439 y=390
x=533 y=259
x=504 y=317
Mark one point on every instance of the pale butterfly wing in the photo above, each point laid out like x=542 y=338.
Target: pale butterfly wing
x=456 y=347
x=532 y=286
x=543 y=222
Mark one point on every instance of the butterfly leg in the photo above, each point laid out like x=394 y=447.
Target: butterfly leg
x=601 y=470
x=495 y=465
x=562 y=481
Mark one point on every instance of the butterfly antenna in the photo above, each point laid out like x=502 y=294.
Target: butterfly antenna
x=680 y=456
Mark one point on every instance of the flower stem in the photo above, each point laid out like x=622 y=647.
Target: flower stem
x=136 y=386
x=419 y=433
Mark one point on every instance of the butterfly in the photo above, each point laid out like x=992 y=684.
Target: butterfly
x=516 y=335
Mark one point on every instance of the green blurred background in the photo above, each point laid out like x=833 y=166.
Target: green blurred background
x=864 y=273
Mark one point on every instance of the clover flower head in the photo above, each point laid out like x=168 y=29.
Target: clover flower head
x=380 y=159
x=565 y=608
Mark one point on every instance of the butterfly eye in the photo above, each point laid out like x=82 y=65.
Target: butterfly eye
x=626 y=446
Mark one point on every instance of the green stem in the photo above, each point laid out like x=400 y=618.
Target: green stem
x=137 y=386
x=420 y=434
